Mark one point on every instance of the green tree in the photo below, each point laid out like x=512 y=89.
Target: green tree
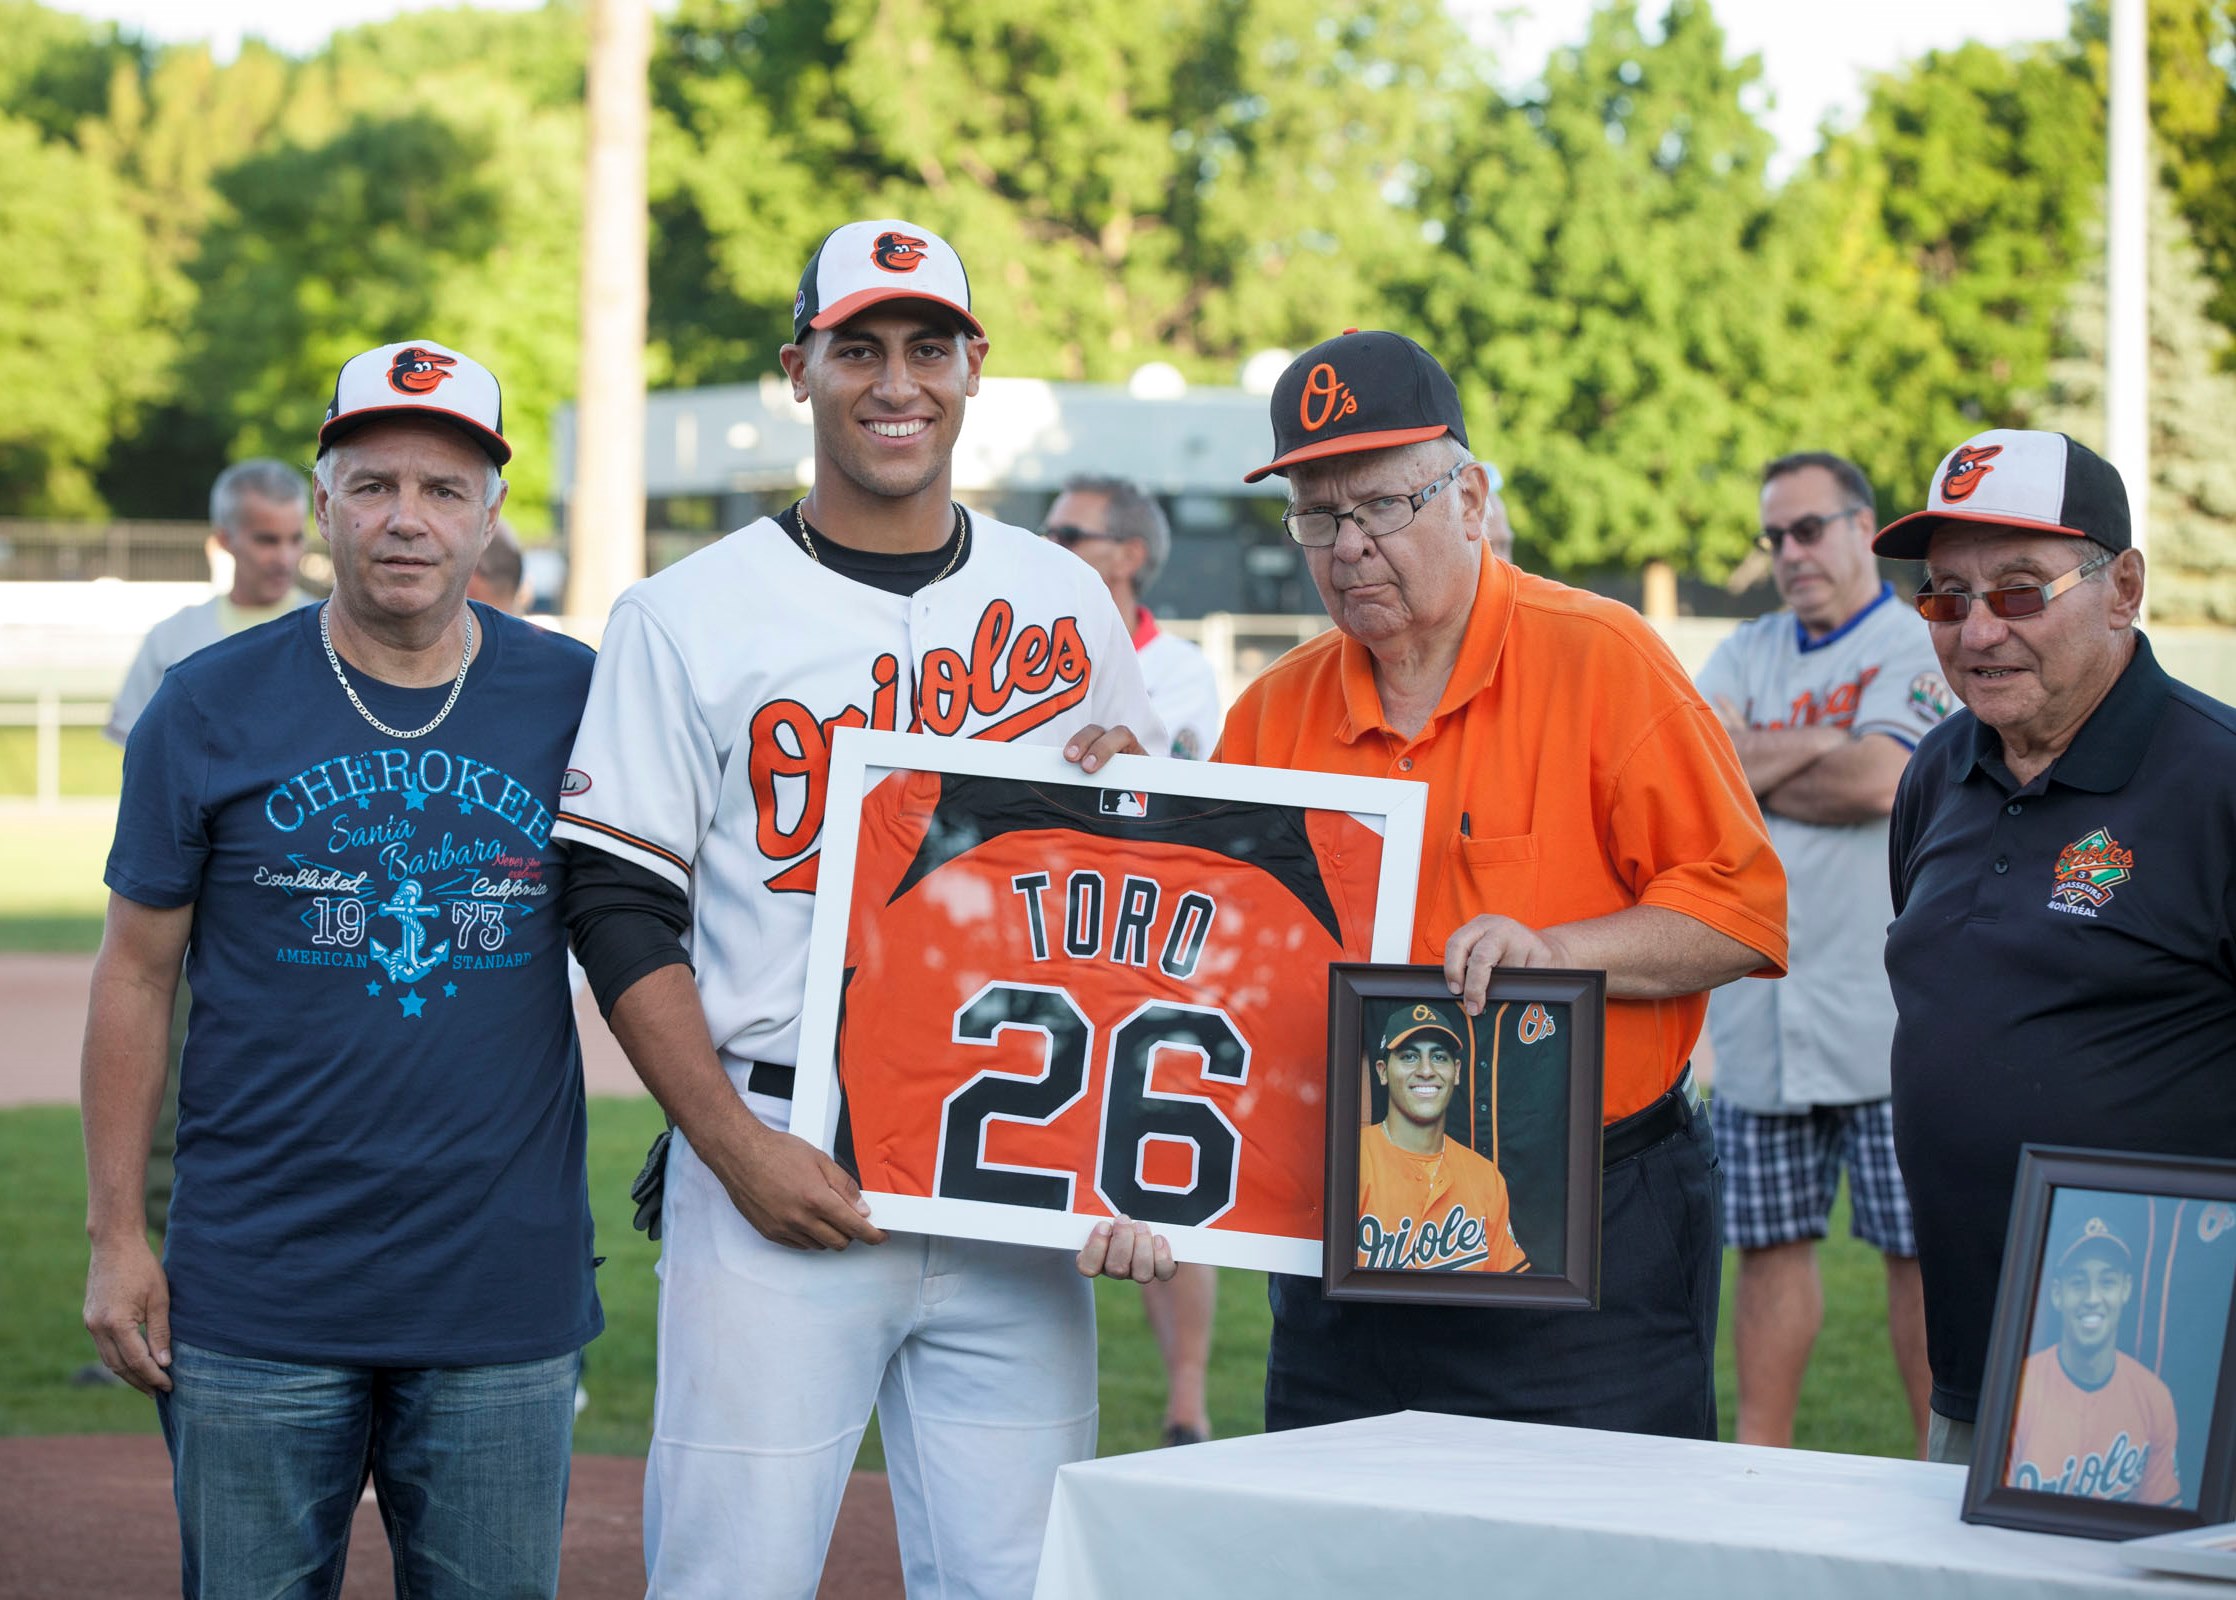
x=74 y=354
x=2193 y=122
x=57 y=69
x=1178 y=181
x=1599 y=295
x=452 y=221
x=2193 y=417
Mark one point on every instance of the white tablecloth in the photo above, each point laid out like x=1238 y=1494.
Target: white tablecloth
x=1426 y=1507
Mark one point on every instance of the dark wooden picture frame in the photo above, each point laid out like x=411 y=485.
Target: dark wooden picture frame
x=1556 y=1212
x=2182 y=1199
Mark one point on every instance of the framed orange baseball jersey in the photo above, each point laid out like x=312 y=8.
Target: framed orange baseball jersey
x=1037 y=999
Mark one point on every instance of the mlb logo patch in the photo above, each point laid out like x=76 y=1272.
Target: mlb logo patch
x=1125 y=803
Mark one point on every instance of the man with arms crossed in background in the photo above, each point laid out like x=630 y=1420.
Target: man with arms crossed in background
x=1824 y=701
x=1118 y=529
x=380 y=1247
x=1584 y=811
x=2063 y=856
x=695 y=811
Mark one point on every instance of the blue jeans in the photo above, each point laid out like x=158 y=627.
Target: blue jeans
x=269 y=1458
x=1644 y=1362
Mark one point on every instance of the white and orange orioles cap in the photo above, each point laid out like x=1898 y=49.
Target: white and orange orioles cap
x=863 y=263
x=2022 y=479
x=418 y=377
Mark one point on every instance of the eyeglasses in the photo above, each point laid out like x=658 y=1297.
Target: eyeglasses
x=1803 y=531
x=1068 y=534
x=2028 y=600
x=1377 y=518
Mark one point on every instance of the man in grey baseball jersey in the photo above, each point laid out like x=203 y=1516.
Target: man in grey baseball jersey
x=1825 y=698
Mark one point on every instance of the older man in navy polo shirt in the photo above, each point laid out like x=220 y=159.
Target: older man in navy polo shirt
x=2063 y=855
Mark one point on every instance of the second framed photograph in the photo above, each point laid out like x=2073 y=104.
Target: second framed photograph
x=2109 y=1405
x=1463 y=1152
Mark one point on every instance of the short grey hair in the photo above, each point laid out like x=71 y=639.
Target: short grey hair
x=1133 y=515
x=262 y=477
x=323 y=470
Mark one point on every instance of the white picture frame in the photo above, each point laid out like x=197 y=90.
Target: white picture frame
x=2208 y=1552
x=861 y=758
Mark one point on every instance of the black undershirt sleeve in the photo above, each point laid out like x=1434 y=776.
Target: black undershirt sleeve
x=624 y=920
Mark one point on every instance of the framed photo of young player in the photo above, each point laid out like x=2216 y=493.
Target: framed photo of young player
x=2108 y=1407
x=1464 y=1152
x=1037 y=999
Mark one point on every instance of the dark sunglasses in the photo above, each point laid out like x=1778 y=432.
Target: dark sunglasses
x=1803 y=531
x=1067 y=534
x=2029 y=600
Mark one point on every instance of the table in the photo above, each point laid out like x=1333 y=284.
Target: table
x=1420 y=1506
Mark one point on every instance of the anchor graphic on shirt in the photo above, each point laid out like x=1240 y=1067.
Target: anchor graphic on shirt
x=409 y=961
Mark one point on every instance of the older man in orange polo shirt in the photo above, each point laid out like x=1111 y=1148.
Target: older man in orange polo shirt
x=1585 y=810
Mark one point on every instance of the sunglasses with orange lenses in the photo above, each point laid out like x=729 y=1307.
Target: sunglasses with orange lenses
x=2028 y=600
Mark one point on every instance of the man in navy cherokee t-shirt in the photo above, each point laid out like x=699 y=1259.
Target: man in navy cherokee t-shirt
x=380 y=1243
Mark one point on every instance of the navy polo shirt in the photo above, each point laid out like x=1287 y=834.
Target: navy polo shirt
x=2064 y=970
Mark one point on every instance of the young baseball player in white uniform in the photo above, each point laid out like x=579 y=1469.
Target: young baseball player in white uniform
x=695 y=805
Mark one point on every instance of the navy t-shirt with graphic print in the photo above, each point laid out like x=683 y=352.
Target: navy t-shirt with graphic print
x=381 y=1119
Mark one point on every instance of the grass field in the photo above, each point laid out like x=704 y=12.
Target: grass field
x=50 y=879
x=90 y=764
x=50 y=900
x=1852 y=1401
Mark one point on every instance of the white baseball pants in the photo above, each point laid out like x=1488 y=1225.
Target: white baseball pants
x=980 y=1360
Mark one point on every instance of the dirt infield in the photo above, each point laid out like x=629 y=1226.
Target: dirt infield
x=91 y=1519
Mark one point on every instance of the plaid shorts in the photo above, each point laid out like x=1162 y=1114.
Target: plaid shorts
x=1780 y=1173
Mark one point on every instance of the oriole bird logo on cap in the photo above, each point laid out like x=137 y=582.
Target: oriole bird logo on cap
x=898 y=252
x=1968 y=468
x=417 y=371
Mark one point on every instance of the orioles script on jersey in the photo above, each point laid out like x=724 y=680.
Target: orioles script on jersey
x=788 y=743
x=1458 y=1242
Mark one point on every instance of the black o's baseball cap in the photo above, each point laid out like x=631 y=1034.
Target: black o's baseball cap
x=1359 y=391
x=2022 y=479
x=2096 y=1238
x=1425 y=1016
x=863 y=263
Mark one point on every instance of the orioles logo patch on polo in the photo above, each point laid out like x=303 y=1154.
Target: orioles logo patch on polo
x=898 y=252
x=1930 y=695
x=1326 y=397
x=1968 y=469
x=2088 y=870
x=417 y=371
x=1536 y=1024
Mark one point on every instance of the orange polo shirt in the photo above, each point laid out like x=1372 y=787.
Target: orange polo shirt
x=1572 y=772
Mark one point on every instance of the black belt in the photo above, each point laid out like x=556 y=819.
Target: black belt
x=1642 y=1130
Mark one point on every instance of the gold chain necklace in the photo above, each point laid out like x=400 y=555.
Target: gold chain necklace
x=807 y=538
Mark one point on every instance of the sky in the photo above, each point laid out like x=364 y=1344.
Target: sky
x=1817 y=54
